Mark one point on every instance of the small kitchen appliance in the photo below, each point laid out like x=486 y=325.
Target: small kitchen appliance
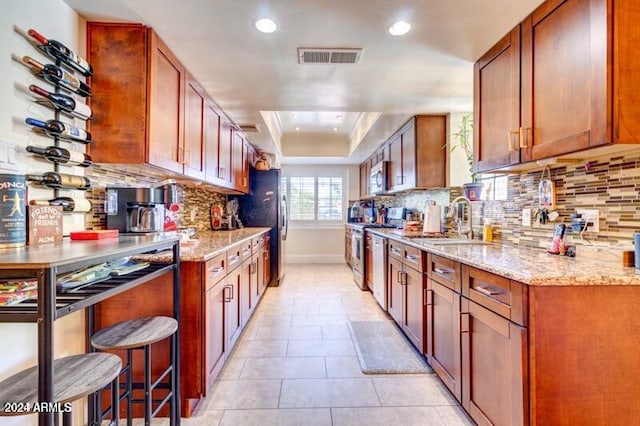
x=138 y=210
x=378 y=178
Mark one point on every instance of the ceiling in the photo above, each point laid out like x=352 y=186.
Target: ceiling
x=257 y=80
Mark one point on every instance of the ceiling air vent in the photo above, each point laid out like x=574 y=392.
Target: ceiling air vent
x=249 y=128
x=328 y=56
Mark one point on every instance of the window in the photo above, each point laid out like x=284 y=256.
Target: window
x=315 y=199
x=495 y=187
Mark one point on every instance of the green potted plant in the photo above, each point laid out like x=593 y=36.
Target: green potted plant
x=464 y=139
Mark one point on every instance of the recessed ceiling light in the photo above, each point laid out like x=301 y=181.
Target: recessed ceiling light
x=266 y=25
x=339 y=117
x=399 y=28
x=335 y=129
x=297 y=129
x=294 y=116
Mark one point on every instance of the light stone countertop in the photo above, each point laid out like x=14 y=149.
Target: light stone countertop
x=210 y=244
x=531 y=266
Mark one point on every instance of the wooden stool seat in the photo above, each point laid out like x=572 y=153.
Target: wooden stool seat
x=74 y=377
x=134 y=333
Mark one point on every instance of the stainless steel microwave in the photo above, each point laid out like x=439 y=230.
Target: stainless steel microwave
x=378 y=179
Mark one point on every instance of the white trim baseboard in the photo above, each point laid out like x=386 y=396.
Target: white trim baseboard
x=314 y=258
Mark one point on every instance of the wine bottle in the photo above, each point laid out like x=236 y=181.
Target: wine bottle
x=58 y=128
x=59 y=51
x=69 y=205
x=56 y=75
x=60 y=181
x=64 y=102
x=59 y=155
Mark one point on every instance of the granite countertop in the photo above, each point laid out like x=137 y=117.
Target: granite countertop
x=532 y=266
x=210 y=244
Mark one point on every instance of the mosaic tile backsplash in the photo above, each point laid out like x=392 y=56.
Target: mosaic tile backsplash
x=194 y=200
x=610 y=185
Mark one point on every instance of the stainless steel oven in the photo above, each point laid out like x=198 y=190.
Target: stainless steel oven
x=357 y=256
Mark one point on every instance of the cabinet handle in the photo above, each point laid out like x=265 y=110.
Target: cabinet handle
x=487 y=291
x=246 y=249
x=234 y=259
x=412 y=257
x=230 y=287
x=524 y=137
x=442 y=271
x=216 y=269
x=464 y=322
x=402 y=277
x=398 y=279
x=395 y=250
x=428 y=297
x=514 y=142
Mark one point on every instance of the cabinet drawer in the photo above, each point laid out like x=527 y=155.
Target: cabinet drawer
x=444 y=271
x=498 y=294
x=234 y=258
x=215 y=269
x=256 y=244
x=245 y=250
x=396 y=250
x=412 y=257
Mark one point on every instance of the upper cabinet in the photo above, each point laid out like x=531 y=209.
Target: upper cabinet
x=415 y=154
x=497 y=104
x=562 y=82
x=149 y=110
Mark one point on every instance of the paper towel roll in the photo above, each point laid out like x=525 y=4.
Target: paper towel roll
x=432 y=217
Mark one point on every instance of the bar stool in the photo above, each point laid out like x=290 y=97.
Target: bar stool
x=140 y=334
x=74 y=377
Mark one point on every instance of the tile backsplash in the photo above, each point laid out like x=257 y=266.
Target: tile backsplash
x=610 y=185
x=193 y=200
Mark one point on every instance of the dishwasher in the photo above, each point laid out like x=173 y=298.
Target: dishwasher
x=379 y=273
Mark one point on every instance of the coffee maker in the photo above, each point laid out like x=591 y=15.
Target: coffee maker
x=138 y=210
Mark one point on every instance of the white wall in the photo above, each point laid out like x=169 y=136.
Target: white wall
x=54 y=19
x=320 y=244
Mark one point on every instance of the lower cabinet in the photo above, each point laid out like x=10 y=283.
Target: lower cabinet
x=246 y=292
x=405 y=291
x=443 y=335
x=494 y=367
x=233 y=301
x=214 y=333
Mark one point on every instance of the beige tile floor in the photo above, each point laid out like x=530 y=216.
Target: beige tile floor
x=295 y=364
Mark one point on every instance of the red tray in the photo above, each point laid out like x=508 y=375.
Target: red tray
x=94 y=235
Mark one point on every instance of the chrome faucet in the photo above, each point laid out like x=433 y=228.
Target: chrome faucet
x=463 y=229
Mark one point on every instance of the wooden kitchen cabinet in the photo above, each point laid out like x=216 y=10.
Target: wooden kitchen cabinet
x=237 y=161
x=443 y=321
x=138 y=97
x=245 y=292
x=576 y=90
x=233 y=300
x=364 y=180
x=214 y=334
x=494 y=345
x=194 y=129
x=348 y=245
x=225 y=170
x=497 y=105
x=415 y=155
x=405 y=291
x=212 y=144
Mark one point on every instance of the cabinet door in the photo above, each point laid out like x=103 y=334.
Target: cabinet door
x=232 y=303
x=364 y=180
x=237 y=161
x=267 y=265
x=259 y=262
x=394 y=290
x=214 y=346
x=247 y=159
x=443 y=338
x=225 y=173
x=497 y=105
x=211 y=143
x=564 y=77
x=494 y=367
x=413 y=304
x=245 y=292
x=194 y=129
x=166 y=107
x=395 y=163
x=408 y=137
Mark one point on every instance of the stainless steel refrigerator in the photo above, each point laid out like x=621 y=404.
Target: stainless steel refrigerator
x=266 y=206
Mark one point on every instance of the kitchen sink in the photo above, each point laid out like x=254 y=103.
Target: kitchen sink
x=447 y=241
